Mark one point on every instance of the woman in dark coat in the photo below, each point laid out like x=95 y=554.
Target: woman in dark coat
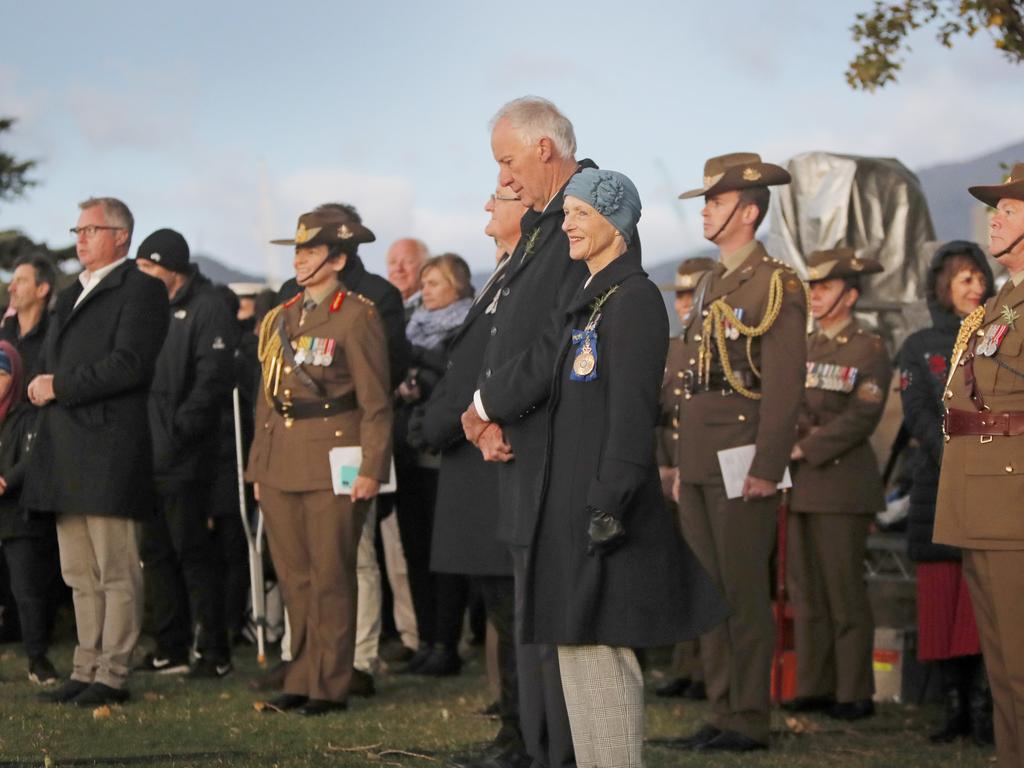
x=28 y=543
x=959 y=281
x=608 y=571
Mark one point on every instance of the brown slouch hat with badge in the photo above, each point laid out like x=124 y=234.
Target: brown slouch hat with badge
x=1012 y=188
x=689 y=274
x=839 y=264
x=738 y=170
x=327 y=228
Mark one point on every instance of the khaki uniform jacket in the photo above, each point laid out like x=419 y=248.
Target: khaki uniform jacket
x=981 y=485
x=671 y=392
x=295 y=457
x=710 y=420
x=840 y=471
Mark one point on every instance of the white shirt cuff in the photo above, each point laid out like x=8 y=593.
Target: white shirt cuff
x=478 y=403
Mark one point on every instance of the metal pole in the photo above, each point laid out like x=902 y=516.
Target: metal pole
x=252 y=539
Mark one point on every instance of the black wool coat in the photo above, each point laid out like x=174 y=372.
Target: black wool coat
x=541 y=278
x=93 y=454
x=600 y=452
x=924 y=367
x=466 y=511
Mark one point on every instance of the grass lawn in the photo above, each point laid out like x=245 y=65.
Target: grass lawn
x=411 y=722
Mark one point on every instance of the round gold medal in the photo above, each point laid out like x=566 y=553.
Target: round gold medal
x=583 y=364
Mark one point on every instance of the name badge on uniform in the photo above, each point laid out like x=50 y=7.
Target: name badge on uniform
x=993 y=337
x=584 y=365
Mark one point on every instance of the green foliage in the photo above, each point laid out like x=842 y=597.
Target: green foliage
x=15 y=244
x=882 y=33
x=14 y=174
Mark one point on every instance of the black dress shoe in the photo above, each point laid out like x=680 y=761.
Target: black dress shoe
x=67 y=692
x=808 y=704
x=315 y=707
x=443 y=662
x=362 y=684
x=271 y=680
x=519 y=760
x=698 y=739
x=418 y=659
x=98 y=694
x=285 y=702
x=852 y=710
x=674 y=688
x=697 y=691
x=731 y=741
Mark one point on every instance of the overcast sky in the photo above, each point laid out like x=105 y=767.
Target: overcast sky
x=225 y=120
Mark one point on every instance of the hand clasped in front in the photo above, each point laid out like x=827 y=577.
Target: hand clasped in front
x=486 y=435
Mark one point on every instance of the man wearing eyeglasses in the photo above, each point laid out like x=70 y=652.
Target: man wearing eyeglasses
x=91 y=463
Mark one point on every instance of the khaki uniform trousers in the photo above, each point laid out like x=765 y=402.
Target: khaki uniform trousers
x=734 y=539
x=833 y=626
x=313 y=539
x=996 y=582
x=99 y=560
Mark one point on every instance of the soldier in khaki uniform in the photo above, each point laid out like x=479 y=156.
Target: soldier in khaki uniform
x=981 y=486
x=687 y=673
x=754 y=309
x=836 y=489
x=325 y=384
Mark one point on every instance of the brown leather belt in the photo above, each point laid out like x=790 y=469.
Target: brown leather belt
x=312 y=409
x=1005 y=423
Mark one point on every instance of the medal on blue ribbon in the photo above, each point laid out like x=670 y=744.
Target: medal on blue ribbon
x=584 y=365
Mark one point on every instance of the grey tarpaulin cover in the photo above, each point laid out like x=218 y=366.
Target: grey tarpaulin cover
x=875 y=206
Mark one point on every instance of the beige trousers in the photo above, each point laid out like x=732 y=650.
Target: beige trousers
x=99 y=560
x=604 y=696
x=313 y=539
x=996 y=582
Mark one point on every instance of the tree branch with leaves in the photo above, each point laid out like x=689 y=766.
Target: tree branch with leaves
x=882 y=33
x=14 y=173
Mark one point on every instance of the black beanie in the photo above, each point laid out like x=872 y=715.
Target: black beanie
x=166 y=248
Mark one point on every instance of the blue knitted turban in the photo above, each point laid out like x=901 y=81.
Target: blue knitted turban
x=611 y=194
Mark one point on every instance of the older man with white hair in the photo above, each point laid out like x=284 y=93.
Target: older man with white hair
x=534 y=145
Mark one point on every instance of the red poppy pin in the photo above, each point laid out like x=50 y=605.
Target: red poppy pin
x=938 y=365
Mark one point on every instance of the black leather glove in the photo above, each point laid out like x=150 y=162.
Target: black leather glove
x=605 y=531
x=415 y=434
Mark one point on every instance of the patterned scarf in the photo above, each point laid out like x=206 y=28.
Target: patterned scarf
x=428 y=327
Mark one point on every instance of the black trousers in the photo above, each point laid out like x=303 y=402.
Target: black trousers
x=498 y=594
x=182 y=584
x=232 y=552
x=33 y=565
x=414 y=505
x=542 y=713
x=230 y=547
x=451 y=596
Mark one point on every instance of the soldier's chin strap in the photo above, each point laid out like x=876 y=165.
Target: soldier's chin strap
x=725 y=224
x=835 y=303
x=302 y=280
x=1009 y=248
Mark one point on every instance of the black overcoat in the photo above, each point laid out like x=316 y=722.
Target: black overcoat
x=465 y=537
x=600 y=452
x=92 y=453
x=541 y=278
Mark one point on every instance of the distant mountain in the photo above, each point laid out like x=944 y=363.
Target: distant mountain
x=221 y=273
x=945 y=186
